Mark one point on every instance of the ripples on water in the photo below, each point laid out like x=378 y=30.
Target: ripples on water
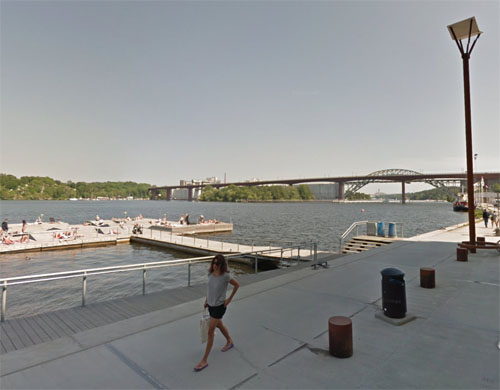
x=260 y=222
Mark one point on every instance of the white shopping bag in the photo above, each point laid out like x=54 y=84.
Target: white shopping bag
x=204 y=324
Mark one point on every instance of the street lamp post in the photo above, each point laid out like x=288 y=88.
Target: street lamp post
x=466 y=29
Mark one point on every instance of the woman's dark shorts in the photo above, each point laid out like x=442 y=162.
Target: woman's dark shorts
x=217 y=311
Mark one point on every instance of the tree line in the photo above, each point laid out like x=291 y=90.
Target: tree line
x=234 y=193
x=46 y=188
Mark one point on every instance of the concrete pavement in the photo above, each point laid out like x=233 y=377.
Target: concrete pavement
x=279 y=326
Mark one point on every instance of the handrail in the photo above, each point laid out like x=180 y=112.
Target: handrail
x=84 y=273
x=348 y=231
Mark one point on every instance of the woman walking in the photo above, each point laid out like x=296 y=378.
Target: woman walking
x=218 y=279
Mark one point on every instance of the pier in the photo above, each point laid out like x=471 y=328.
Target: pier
x=280 y=327
x=193 y=239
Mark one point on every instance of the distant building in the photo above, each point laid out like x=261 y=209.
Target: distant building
x=328 y=191
x=182 y=194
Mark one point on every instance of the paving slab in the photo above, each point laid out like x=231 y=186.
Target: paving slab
x=95 y=368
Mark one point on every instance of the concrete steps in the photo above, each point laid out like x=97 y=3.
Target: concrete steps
x=364 y=243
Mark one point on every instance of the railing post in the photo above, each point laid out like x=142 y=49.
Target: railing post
x=238 y=242
x=281 y=257
x=4 y=300
x=315 y=252
x=84 y=288
x=189 y=274
x=144 y=281
x=256 y=264
x=298 y=254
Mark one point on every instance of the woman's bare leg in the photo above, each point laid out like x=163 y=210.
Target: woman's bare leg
x=225 y=332
x=210 y=342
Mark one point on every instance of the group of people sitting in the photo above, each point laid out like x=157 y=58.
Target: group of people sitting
x=65 y=235
x=9 y=239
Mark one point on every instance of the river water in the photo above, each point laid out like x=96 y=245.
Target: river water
x=320 y=222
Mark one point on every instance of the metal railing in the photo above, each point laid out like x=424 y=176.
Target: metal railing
x=202 y=240
x=85 y=273
x=356 y=225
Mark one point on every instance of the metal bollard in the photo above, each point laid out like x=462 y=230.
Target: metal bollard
x=462 y=254
x=256 y=264
x=144 y=281
x=340 y=336
x=189 y=274
x=427 y=277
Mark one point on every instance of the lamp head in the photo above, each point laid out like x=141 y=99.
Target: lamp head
x=464 y=29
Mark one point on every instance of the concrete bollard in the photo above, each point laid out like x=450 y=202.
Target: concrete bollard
x=340 y=336
x=481 y=241
x=427 y=277
x=462 y=254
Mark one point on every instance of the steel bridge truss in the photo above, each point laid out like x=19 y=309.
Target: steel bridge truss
x=354 y=187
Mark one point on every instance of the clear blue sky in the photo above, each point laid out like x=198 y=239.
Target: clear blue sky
x=157 y=91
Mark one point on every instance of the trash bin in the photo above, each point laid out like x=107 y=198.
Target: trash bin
x=392 y=229
x=380 y=229
x=393 y=293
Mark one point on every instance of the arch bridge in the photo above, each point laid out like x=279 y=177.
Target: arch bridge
x=353 y=183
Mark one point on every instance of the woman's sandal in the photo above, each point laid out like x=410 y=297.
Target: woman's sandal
x=199 y=368
x=227 y=348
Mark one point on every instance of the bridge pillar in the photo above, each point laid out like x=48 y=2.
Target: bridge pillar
x=154 y=194
x=190 y=194
x=169 y=194
x=341 y=190
x=403 y=193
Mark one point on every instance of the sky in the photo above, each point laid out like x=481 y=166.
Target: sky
x=158 y=91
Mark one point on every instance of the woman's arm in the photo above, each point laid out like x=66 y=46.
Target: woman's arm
x=236 y=286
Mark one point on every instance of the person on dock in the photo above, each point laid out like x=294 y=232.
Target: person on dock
x=186 y=219
x=201 y=219
x=25 y=226
x=218 y=280
x=5 y=225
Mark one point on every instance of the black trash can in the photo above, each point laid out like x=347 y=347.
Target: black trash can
x=393 y=293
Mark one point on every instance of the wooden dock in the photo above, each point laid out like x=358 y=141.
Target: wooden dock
x=185 y=238
x=22 y=332
x=204 y=246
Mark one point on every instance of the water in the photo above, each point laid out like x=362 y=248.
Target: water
x=261 y=222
